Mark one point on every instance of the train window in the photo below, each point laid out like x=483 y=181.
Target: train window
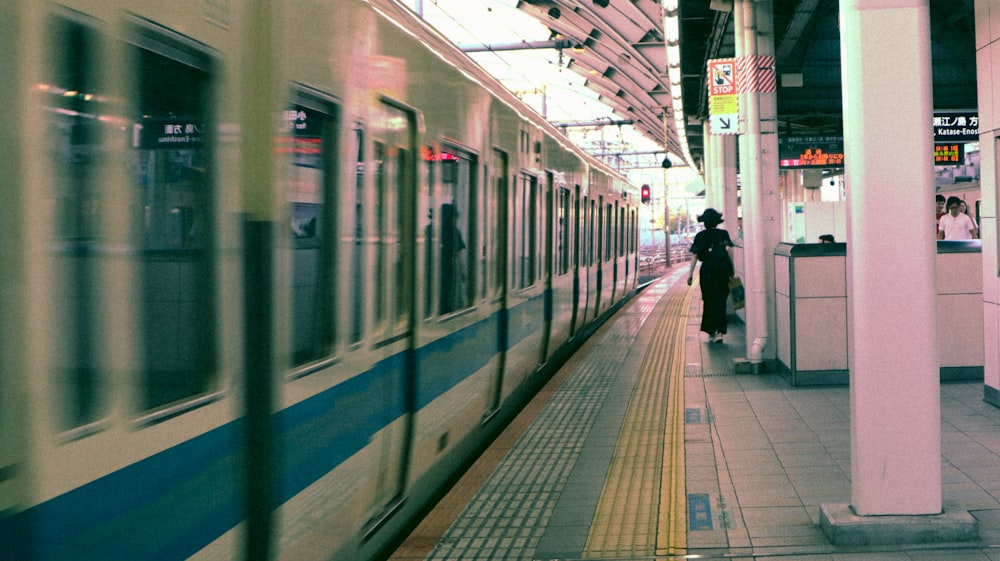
x=306 y=143
x=486 y=214
x=430 y=156
x=394 y=203
x=599 y=218
x=563 y=232
x=593 y=223
x=577 y=225
x=609 y=232
x=173 y=216
x=73 y=102
x=358 y=285
x=380 y=226
x=621 y=231
x=632 y=231
x=457 y=232
x=526 y=229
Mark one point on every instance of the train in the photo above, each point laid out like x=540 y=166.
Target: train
x=271 y=274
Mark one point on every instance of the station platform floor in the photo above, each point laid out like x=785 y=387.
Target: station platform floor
x=648 y=444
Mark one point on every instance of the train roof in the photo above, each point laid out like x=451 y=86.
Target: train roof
x=449 y=53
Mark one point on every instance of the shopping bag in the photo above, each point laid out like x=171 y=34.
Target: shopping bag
x=737 y=293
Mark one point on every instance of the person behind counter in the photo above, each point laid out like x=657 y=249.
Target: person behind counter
x=711 y=247
x=955 y=225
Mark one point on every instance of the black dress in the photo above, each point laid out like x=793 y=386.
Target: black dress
x=710 y=246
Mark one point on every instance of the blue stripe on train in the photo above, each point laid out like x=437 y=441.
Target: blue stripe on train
x=172 y=504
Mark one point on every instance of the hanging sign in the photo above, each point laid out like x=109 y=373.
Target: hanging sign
x=723 y=102
x=956 y=126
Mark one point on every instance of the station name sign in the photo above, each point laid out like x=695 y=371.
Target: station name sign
x=956 y=126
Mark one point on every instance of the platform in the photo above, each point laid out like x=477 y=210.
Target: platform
x=649 y=445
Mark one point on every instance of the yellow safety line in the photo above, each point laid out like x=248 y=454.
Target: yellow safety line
x=632 y=512
x=672 y=534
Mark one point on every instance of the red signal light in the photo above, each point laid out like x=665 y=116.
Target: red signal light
x=645 y=194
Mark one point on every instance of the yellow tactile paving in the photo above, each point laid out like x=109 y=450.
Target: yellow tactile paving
x=643 y=506
x=672 y=536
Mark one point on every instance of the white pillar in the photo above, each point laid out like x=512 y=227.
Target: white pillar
x=727 y=166
x=987 y=42
x=720 y=179
x=713 y=183
x=891 y=248
x=754 y=24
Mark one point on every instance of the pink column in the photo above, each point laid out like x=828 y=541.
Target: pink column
x=895 y=389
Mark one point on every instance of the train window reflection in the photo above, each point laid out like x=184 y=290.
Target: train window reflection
x=430 y=157
x=591 y=231
x=358 y=284
x=563 y=232
x=456 y=229
x=75 y=150
x=393 y=210
x=381 y=225
x=609 y=231
x=305 y=143
x=173 y=217
x=526 y=217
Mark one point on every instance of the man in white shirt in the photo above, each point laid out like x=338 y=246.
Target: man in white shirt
x=955 y=225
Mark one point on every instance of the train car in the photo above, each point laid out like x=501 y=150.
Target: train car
x=271 y=274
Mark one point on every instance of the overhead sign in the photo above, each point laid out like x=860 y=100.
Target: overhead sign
x=811 y=151
x=956 y=126
x=723 y=101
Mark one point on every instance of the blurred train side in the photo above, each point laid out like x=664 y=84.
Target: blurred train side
x=270 y=273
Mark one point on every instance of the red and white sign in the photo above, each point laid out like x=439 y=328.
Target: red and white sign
x=722 y=76
x=723 y=106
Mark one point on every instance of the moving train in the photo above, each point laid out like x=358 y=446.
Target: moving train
x=271 y=273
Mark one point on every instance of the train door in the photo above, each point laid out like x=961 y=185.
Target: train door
x=393 y=235
x=497 y=241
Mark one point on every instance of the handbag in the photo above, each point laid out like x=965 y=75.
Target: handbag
x=737 y=293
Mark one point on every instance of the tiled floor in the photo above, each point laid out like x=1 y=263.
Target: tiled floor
x=760 y=457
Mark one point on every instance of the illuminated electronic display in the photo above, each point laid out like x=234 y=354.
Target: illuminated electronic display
x=811 y=152
x=949 y=154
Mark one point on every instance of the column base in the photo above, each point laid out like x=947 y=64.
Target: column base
x=843 y=527
x=743 y=366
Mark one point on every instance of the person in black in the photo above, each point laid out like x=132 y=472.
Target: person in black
x=452 y=284
x=711 y=247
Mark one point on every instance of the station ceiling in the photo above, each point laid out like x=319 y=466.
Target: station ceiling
x=623 y=57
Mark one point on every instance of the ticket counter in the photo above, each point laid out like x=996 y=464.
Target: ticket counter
x=811 y=312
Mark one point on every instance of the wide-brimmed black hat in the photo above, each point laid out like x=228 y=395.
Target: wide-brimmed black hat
x=710 y=216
